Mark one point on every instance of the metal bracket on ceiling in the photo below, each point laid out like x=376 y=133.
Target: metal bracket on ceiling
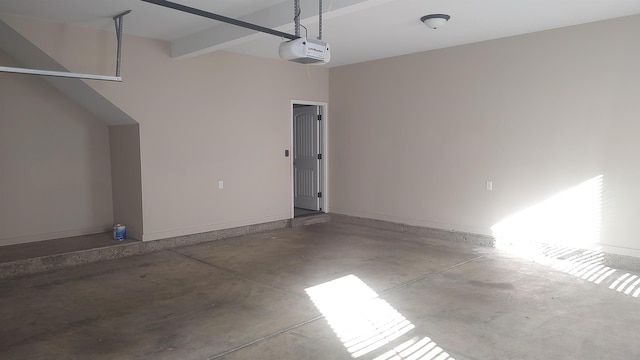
x=118 y=23
x=296 y=18
x=117 y=20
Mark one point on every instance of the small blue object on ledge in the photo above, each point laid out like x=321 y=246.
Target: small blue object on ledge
x=119 y=232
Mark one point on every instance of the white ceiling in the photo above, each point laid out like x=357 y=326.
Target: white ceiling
x=357 y=30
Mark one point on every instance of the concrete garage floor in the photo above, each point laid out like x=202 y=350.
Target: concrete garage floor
x=387 y=295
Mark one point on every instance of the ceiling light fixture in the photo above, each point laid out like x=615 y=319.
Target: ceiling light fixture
x=435 y=21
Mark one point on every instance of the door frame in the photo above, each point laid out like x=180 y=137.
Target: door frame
x=323 y=148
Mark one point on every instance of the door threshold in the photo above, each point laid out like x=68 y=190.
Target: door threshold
x=298 y=212
x=315 y=218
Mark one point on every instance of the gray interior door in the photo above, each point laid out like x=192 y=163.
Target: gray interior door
x=305 y=157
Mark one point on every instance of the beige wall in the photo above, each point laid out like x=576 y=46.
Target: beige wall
x=124 y=141
x=412 y=139
x=54 y=163
x=216 y=117
x=415 y=138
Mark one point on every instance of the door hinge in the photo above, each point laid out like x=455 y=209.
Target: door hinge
x=319 y=117
x=319 y=194
x=319 y=156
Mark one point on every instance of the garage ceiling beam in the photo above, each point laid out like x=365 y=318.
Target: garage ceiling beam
x=279 y=17
x=221 y=18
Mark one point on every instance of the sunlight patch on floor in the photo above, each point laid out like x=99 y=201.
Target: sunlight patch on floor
x=585 y=264
x=365 y=323
x=414 y=349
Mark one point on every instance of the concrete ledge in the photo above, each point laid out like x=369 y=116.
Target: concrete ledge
x=615 y=261
x=432 y=233
x=119 y=250
x=57 y=261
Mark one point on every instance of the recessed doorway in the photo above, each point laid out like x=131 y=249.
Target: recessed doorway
x=309 y=158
